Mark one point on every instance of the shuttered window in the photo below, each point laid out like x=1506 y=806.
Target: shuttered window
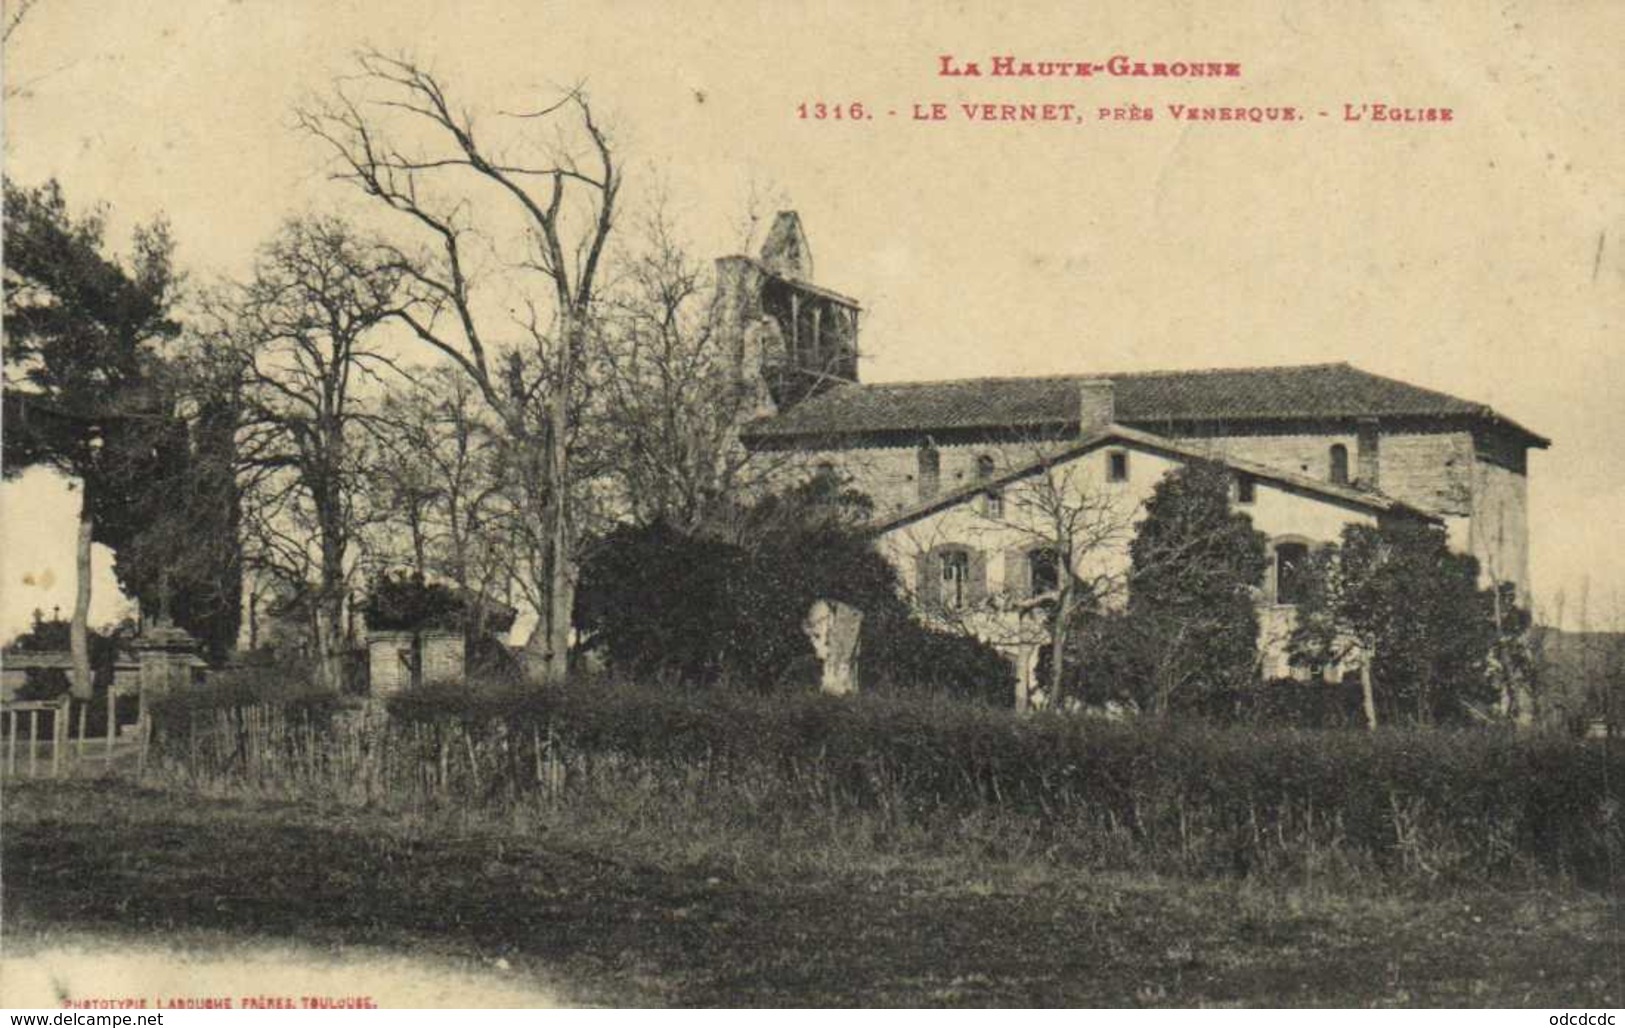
x=951 y=578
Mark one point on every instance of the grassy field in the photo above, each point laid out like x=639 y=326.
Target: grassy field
x=605 y=917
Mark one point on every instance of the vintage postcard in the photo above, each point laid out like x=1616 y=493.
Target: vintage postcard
x=874 y=504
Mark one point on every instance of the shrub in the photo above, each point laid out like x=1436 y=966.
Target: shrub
x=1291 y=703
x=243 y=687
x=1186 y=797
x=662 y=605
x=1397 y=597
x=1187 y=639
x=898 y=654
x=49 y=635
x=402 y=602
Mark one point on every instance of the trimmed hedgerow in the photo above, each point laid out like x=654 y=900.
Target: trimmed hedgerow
x=1479 y=805
x=248 y=686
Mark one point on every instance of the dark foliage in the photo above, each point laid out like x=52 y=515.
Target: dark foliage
x=242 y=688
x=103 y=406
x=169 y=507
x=1480 y=805
x=406 y=603
x=1295 y=703
x=1187 y=640
x=900 y=655
x=51 y=636
x=662 y=604
x=1400 y=594
x=184 y=552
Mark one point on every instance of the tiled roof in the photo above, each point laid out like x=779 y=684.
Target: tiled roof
x=1141 y=398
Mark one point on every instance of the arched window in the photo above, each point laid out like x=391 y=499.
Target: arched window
x=1044 y=570
x=1291 y=572
x=930 y=466
x=1340 y=464
x=984 y=468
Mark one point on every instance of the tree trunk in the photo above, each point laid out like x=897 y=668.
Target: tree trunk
x=560 y=586
x=563 y=604
x=1057 y=645
x=328 y=495
x=330 y=640
x=79 y=627
x=535 y=656
x=330 y=628
x=254 y=619
x=1368 y=698
x=559 y=598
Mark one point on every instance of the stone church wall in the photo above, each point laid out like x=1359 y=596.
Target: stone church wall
x=889 y=475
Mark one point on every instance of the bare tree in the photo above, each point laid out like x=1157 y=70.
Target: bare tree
x=669 y=392
x=302 y=334
x=19 y=11
x=441 y=475
x=399 y=138
x=1062 y=534
x=1077 y=526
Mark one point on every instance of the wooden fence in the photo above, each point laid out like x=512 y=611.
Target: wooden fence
x=52 y=736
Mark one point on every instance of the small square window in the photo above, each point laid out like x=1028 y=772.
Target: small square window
x=1246 y=489
x=1117 y=466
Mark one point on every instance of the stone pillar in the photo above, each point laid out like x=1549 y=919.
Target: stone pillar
x=834 y=627
x=444 y=655
x=389 y=662
x=166 y=655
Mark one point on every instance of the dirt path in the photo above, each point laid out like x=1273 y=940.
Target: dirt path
x=104 y=971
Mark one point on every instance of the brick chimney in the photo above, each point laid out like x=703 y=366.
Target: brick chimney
x=1097 y=405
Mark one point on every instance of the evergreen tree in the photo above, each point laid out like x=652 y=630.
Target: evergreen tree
x=1396 y=599
x=82 y=331
x=1187 y=640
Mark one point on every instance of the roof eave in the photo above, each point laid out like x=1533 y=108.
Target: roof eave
x=799 y=283
x=1345 y=496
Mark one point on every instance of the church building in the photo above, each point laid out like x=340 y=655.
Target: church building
x=966 y=474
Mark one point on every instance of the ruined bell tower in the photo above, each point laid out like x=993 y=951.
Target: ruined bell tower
x=791 y=338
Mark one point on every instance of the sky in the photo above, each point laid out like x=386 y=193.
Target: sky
x=1484 y=256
